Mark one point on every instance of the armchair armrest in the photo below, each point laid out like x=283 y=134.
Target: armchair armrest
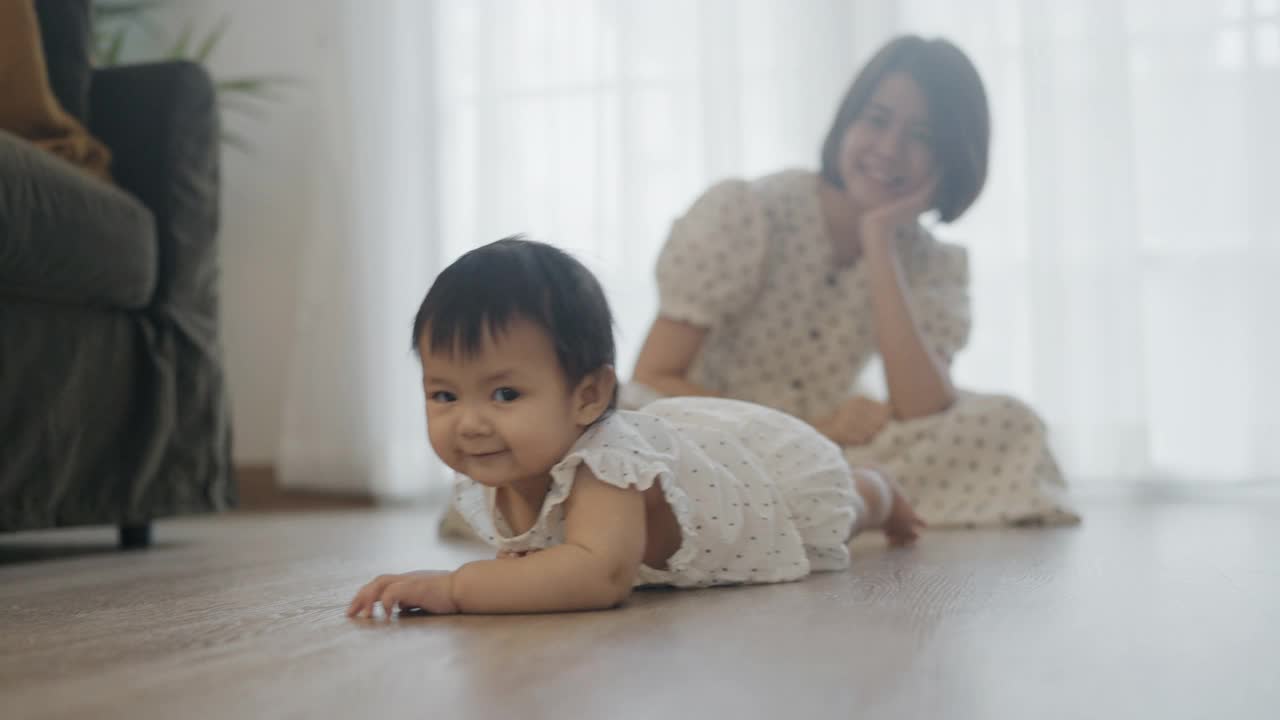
x=68 y=237
x=161 y=122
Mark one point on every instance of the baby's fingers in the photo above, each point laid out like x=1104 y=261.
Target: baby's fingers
x=903 y=538
x=916 y=520
x=359 y=603
x=394 y=594
x=362 y=604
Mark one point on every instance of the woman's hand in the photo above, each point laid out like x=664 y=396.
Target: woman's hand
x=856 y=422
x=430 y=590
x=881 y=224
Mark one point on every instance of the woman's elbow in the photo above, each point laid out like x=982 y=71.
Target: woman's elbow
x=646 y=375
x=655 y=374
x=926 y=407
x=943 y=402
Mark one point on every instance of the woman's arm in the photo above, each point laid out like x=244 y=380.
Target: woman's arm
x=666 y=356
x=919 y=382
x=669 y=351
x=594 y=568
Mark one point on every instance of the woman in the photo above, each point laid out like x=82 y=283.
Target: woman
x=780 y=290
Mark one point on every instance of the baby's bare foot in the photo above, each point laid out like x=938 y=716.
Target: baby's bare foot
x=902 y=526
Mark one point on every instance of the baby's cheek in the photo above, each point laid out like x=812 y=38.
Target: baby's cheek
x=438 y=447
x=543 y=447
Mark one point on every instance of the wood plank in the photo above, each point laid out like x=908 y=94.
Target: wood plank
x=1150 y=609
x=260 y=490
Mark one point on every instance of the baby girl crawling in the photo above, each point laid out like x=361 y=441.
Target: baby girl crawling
x=584 y=501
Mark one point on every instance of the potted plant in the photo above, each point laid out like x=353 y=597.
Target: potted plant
x=119 y=25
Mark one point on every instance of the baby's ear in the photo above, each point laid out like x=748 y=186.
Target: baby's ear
x=593 y=395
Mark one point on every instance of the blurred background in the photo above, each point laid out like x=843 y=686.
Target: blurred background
x=1123 y=254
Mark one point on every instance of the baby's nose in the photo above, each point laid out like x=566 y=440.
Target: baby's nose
x=474 y=423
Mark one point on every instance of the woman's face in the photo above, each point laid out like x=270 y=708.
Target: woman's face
x=887 y=152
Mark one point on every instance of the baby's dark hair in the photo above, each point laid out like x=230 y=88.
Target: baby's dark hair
x=483 y=290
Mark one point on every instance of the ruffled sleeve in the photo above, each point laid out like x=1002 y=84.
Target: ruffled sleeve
x=626 y=450
x=712 y=265
x=473 y=504
x=628 y=453
x=635 y=451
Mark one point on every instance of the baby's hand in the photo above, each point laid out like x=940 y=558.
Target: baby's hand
x=430 y=590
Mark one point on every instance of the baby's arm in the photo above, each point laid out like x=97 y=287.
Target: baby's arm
x=594 y=568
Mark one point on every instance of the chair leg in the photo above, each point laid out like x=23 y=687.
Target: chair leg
x=135 y=537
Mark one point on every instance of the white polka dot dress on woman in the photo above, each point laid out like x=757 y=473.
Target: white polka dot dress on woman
x=760 y=497
x=751 y=261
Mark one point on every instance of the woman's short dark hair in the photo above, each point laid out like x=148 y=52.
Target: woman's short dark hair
x=958 y=114
x=483 y=290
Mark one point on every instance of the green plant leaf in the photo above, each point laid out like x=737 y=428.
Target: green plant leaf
x=255 y=83
x=124 y=9
x=246 y=100
x=116 y=48
x=231 y=104
x=244 y=96
x=245 y=85
x=236 y=141
x=263 y=90
x=211 y=40
x=181 y=48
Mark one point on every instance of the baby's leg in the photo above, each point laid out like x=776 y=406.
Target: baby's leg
x=824 y=507
x=885 y=507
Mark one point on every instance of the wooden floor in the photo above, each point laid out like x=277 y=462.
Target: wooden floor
x=1152 y=609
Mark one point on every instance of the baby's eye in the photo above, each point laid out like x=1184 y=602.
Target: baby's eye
x=505 y=395
x=442 y=396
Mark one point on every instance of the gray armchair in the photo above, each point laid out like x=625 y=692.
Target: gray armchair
x=113 y=404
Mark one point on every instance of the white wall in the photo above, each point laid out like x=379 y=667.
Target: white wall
x=270 y=196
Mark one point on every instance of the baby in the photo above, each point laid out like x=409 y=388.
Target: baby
x=584 y=501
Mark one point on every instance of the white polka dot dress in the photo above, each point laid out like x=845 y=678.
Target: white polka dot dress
x=760 y=497
x=750 y=261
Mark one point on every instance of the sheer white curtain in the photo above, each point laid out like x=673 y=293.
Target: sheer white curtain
x=1126 y=248
x=1122 y=254
x=591 y=124
x=353 y=417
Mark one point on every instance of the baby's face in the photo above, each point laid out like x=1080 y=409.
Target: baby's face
x=506 y=415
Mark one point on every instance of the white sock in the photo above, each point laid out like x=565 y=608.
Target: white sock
x=885 y=496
